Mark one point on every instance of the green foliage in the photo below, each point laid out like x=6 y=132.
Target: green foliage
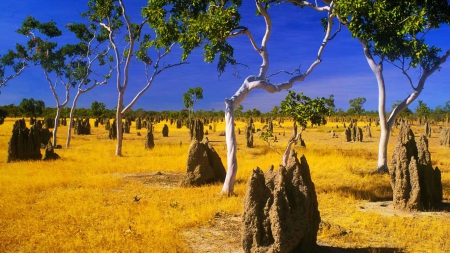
x=3 y=113
x=302 y=108
x=447 y=106
x=98 y=109
x=191 y=96
x=395 y=29
x=356 y=106
x=68 y=61
x=238 y=111
x=192 y=24
x=31 y=107
x=422 y=110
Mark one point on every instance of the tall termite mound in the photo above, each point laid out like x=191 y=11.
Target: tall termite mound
x=204 y=165
x=416 y=185
x=281 y=210
x=444 y=138
x=196 y=129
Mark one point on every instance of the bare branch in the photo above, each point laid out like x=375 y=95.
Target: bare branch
x=156 y=72
x=263 y=52
x=337 y=31
x=244 y=30
x=297 y=70
x=291 y=141
x=105 y=26
x=7 y=79
x=308 y=4
x=130 y=53
x=268 y=21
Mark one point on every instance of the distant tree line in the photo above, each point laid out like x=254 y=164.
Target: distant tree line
x=36 y=108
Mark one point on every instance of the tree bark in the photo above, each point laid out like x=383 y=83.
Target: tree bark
x=230 y=179
x=55 y=129
x=119 y=124
x=72 y=110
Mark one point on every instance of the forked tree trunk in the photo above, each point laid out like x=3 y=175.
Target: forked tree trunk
x=387 y=124
x=72 y=110
x=260 y=82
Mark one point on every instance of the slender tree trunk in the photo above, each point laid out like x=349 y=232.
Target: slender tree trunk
x=72 y=110
x=119 y=124
x=55 y=129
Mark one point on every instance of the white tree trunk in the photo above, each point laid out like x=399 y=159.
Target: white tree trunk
x=250 y=84
x=119 y=124
x=72 y=110
x=55 y=129
x=228 y=186
x=260 y=82
x=59 y=106
x=386 y=124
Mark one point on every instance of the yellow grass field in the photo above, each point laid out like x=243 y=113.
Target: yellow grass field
x=93 y=201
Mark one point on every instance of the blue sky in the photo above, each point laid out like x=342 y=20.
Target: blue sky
x=295 y=39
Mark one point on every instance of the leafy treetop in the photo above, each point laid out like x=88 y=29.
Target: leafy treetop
x=302 y=108
x=395 y=30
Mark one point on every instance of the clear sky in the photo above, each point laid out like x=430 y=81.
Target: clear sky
x=295 y=39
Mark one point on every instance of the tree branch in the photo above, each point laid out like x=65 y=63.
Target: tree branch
x=291 y=141
x=245 y=30
x=263 y=52
x=156 y=72
x=297 y=70
x=308 y=4
x=130 y=52
x=7 y=79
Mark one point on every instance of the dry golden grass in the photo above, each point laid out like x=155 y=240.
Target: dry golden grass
x=85 y=202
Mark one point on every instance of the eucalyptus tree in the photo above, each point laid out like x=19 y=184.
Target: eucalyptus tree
x=395 y=32
x=302 y=109
x=190 y=97
x=62 y=65
x=163 y=24
x=261 y=80
x=423 y=111
x=32 y=108
x=95 y=56
x=356 y=105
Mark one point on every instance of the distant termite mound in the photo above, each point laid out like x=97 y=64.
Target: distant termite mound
x=82 y=127
x=444 y=138
x=204 y=165
x=196 y=129
x=281 y=210
x=353 y=133
x=149 y=141
x=416 y=185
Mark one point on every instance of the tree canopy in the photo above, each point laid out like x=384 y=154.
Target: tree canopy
x=303 y=109
x=31 y=107
x=191 y=96
x=356 y=105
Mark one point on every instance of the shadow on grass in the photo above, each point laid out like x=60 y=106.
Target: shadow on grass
x=378 y=193
x=328 y=249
